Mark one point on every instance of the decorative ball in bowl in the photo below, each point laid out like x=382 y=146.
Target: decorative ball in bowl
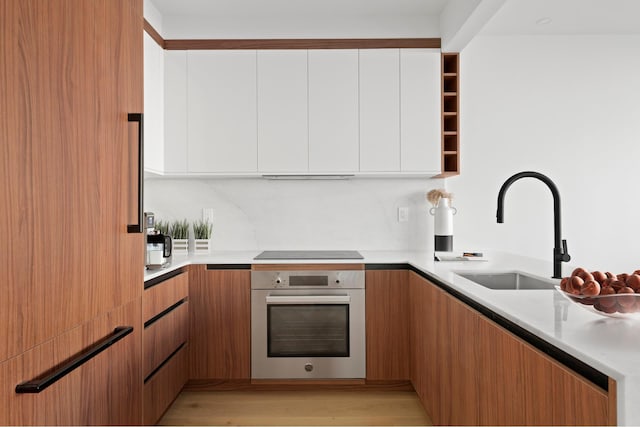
x=608 y=294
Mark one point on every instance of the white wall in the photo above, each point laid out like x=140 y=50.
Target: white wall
x=566 y=106
x=262 y=214
x=152 y=15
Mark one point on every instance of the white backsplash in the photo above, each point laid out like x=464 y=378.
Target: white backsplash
x=259 y=214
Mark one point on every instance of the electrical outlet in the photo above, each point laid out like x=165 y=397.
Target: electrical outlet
x=403 y=214
x=207 y=215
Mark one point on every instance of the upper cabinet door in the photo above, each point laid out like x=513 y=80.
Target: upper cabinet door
x=380 y=110
x=222 y=119
x=153 y=105
x=175 y=112
x=420 y=107
x=333 y=111
x=283 y=139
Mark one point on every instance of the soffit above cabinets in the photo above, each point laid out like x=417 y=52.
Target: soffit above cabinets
x=205 y=19
x=296 y=8
x=391 y=18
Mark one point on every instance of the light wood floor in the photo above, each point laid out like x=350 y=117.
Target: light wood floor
x=301 y=408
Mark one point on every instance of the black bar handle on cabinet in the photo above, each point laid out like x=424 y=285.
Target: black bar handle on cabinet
x=138 y=117
x=39 y=384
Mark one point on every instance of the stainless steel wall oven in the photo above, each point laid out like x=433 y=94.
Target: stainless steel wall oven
x=307 y=324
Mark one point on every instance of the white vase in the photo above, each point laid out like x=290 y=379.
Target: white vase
x=180 y=247
x=443 y=225
x=202 y=246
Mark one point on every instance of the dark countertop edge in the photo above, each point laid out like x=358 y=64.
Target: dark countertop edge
x=573 y=363
x=165 y=276
x=228 y=266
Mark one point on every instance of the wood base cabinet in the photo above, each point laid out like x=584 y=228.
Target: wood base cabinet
x=220 y=346
x=106 y=389
x=467 y=370
x=165 y=308
x=387 y=325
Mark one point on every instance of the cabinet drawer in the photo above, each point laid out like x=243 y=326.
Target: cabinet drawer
x=163 y=387
x=163 y=295
x=104 y=390
x=164 y=335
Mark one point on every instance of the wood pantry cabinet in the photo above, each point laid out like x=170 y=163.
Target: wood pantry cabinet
x=467 y=370
x=71 y=73
x=165 y=308
x=105 y=390
x=220 y=319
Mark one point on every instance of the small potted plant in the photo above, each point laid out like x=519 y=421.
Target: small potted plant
x=202 y=235
x=162 y=227
x=180 y=235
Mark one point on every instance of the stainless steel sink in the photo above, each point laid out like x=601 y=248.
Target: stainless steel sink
x=509 y=280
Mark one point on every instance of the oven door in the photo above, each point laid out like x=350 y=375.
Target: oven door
x=308 y=334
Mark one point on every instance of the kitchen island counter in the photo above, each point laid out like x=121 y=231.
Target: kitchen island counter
x=609 y=345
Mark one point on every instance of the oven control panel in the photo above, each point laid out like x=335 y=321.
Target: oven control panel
x=313 y=279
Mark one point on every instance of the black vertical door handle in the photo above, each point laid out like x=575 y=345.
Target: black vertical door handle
x=138 y=117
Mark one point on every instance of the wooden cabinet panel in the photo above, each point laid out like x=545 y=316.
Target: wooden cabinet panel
x=467 y=370
x=66 y=156
x=387 y=325
x=379 y=103
x=221 y=99
x=165 y=339
x=161 y=389
x=333 y=111
x=283 y=139
x=586 y=405
x=458 y=341
x=220 y=342
x=164 y=336
x=163 y=295
x=105 y=390
x=501 y=402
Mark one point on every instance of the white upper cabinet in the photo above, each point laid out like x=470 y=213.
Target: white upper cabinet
x=221 y=106
x=420 y=110
x=283 y=139
x=333 y=111
x=247 y=112
x=175 y=112
x=153 y=105
x=380 y=110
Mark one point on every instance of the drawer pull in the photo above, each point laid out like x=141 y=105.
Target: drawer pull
x=38 y=384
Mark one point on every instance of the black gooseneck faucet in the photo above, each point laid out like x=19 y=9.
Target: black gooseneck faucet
x=560 y=253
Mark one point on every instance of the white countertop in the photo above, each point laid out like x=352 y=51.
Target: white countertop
x=610 y=345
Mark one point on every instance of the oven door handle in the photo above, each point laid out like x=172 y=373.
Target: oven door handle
x=308 y=299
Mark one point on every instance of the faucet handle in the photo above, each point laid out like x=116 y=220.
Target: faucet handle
x=565 y=253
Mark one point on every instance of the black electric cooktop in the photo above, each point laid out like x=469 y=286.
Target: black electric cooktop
x=284 y=255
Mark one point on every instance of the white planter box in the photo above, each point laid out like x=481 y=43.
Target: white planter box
x=180 y=247
x=202 y=246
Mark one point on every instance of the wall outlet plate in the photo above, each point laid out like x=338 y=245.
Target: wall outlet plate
x=403 y=214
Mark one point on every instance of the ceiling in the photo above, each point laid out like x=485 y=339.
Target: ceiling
x=566 y=17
